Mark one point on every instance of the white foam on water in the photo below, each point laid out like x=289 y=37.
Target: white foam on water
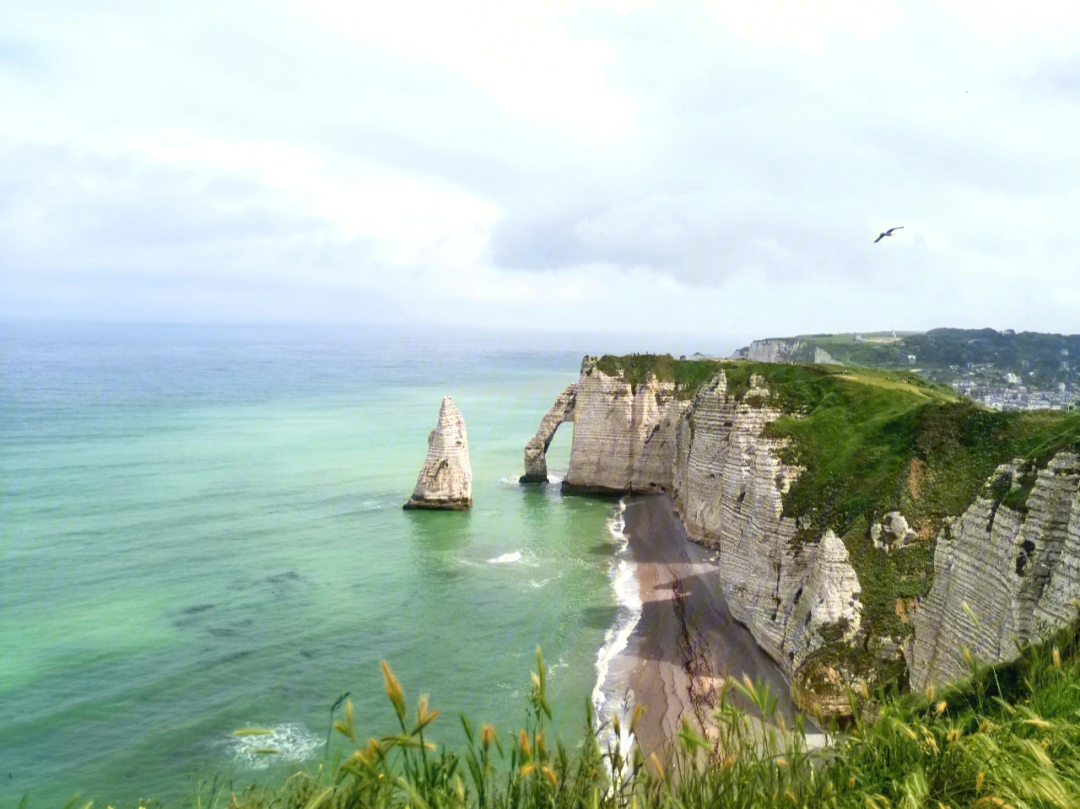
x=506 y=558
x=290 y=742
x=608 y=693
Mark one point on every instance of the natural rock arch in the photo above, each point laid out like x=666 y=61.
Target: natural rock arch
x=536 y=449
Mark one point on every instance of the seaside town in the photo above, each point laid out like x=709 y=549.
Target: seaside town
x=1008 y=391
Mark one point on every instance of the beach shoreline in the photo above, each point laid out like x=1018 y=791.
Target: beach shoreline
x=685 y=644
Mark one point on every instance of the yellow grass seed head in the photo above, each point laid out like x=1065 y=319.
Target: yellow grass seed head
x=979 y=781
x=393 y=690
x=781 y=762
x=616 y=725
x=791 y=796
x=549 y=774
x=864 y=690
x=729 y=762
x=953 y=735
x=657 y=766
x=459 y=789
x=487 y=735
x=1057 y=658
x=939 y=709
x=929 y=693
x=639 y=711
x=523 y=743
x=526 y=769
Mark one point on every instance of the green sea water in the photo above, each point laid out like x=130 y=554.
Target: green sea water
x=201 y=530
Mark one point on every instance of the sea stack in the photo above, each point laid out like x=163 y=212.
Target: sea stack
x=445 y=480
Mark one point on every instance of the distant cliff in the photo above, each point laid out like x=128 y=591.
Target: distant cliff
x=844 y=507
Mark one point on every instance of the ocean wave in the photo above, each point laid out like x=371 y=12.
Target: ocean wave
x=506 y=558
x=609 y=693
x=257 y=749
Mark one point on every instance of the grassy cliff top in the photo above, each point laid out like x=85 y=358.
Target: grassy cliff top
x=688 y=375
x=874 y=441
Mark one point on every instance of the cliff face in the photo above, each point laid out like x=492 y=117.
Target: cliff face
x=781 y=350
x=623 y=438
x=1017 y=570
x=728 y=488
x=879 y=475
x=445 y=480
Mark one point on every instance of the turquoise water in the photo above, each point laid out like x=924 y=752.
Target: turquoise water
x=201 y=530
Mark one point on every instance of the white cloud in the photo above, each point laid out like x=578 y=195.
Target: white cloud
x=515 y=50
x=724 y=164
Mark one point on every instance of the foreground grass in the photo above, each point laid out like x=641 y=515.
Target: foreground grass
x=1009 y=736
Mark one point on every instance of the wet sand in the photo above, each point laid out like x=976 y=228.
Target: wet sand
x=686 y=643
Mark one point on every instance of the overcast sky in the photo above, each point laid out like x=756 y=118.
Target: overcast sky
x=588 y=164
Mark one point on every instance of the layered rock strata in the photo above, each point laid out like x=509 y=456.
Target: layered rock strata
x=728 y=484
x=1015 y=568
x=536 y=450
x=445 y=480
x=1002 y=576
x=623 y=437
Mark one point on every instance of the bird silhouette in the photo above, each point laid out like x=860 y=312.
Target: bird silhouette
x=888 y=232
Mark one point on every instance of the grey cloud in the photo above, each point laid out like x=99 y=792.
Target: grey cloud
x=118 y=213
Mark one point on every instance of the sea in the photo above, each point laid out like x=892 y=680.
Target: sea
x=201 y=532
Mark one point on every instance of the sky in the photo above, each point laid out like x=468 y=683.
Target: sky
x=651 y=167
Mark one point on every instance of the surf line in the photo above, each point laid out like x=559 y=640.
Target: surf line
x=610 y=693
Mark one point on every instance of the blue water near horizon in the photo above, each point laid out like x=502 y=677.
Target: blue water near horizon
x=201 y=530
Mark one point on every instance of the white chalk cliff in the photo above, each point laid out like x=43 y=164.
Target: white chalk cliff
x=1018 y=572
x=445 y=480
x=536 y=450
x=623 y=438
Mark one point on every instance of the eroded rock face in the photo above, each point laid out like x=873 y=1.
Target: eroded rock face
x=1018 y=572
x=784 y=351
x=727 y=483
x=623 y=439
x=536 y=450
x=445 y=480
x=728 y=488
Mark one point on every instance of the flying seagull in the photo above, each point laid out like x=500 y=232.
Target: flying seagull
x=888 y=232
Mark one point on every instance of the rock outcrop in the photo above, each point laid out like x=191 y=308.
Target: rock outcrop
x=445 y=480
x=1002 y=575
x=536 y=450
x=623 y=438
